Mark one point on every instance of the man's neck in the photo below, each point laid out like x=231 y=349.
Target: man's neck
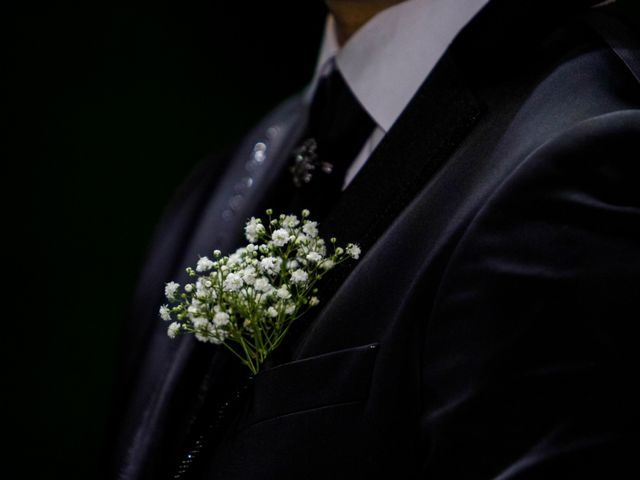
x=350 y=15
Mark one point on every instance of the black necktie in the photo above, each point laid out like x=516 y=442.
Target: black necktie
x=337 y=129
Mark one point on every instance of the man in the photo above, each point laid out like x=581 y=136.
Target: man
x=487 y=330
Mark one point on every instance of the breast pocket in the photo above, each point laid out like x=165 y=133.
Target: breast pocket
x=336 y=378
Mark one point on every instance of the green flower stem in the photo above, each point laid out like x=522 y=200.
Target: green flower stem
x=242 y=359
x=254 y=368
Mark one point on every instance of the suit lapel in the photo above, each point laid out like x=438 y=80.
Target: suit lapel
x=176 y=375
x=436 y=121
x=256 y=167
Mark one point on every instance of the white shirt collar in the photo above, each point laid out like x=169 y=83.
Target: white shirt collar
x=385 y=62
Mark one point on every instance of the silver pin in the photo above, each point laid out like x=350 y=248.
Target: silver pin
x=306 y=162
x=305 y=159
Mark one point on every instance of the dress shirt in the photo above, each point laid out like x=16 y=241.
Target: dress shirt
x=385 y=61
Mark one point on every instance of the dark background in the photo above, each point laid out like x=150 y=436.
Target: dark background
x=110 y=105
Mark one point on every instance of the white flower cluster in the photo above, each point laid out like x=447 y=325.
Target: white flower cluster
x=252 y=296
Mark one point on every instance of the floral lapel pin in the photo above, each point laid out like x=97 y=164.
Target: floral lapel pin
x=247 y=301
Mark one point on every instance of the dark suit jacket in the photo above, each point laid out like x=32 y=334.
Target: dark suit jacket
x=487 y=332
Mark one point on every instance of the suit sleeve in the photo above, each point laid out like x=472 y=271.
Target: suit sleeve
x=530 y=366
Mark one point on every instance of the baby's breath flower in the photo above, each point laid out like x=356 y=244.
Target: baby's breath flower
x=202 y=337
x=262 y=285
x=290 y=221
x=196 y=303
x=234 y=259
x=353 y=251
x=206 y=293
x=270 y=265
x=327 y=264
x=253 y=229
x=165 y=313
x=310 y=228
x=299 y=276
x=283 y=292
x=170 y=290
x=203 y=288
x=301 y=239
x=249 y=275
x=314 y=257
x=280 y=237
x=232 y=283
x=246 y=300
x=173 y=330
x=204 y=264
x=200 y=323
x=221 y=319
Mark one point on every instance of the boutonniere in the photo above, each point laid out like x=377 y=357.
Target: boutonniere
x=247 y=301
